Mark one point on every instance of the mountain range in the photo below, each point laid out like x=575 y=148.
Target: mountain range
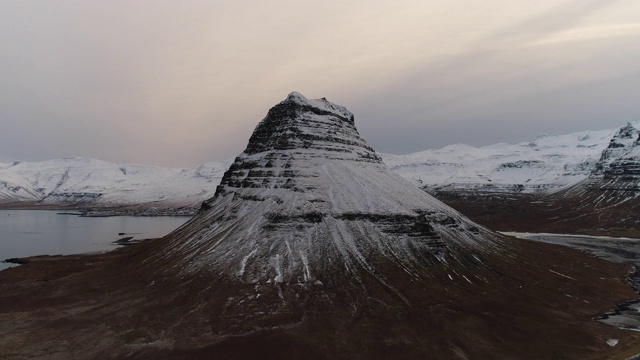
x=598 y=194
x=545 y=165
x=85 y=182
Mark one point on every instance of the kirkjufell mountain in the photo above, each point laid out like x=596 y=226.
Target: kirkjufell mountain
x=313 y=248
x=309 y=200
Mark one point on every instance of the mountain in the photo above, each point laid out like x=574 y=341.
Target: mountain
x=609 y=196
x=307 y=193
x=546 y=164
x=602 y=199
x=93 y=183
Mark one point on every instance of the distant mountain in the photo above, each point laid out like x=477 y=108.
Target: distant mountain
x=610 y=196
x=90 y=182
x=546 y=164
x=602 y=197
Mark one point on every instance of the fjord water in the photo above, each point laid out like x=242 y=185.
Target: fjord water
x=39 y=232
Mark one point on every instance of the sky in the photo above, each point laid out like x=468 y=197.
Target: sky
x=182 y=82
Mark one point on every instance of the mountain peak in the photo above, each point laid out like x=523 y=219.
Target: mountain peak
x=622 y=156
x=296 y=96
x=310 y=203
x=315 y=125
x=320 y=104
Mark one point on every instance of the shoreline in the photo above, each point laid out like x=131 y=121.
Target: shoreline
x=34 y=206
x=106 y=211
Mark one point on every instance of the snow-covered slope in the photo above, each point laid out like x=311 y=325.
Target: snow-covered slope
x=15 y=188
x=91 y=182
x=548 y=163
x=604 y=200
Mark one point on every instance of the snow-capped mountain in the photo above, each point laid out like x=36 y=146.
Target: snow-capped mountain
x=603 y=200
x=308 y=220
x=621 y=158
x=308 y=188
x=546 y=164
x=91 y=182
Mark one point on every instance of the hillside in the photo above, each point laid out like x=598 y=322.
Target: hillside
x=86 y=183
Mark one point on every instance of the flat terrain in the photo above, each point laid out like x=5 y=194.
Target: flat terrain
x=536 y=213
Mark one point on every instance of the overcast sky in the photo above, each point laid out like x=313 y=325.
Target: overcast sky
x=182 y=82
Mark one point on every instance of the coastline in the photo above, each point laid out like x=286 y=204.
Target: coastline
x=146 y=210
x=36 y=206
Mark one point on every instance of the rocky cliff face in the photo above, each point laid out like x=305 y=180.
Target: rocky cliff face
x=615 y=181
x=609 y=197
x=621 y=159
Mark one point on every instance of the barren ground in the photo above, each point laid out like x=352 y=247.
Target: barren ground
x=99 y=306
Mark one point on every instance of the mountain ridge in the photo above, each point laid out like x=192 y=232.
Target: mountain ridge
x=547 y=164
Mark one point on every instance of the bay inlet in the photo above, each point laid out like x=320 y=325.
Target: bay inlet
x=25 y=233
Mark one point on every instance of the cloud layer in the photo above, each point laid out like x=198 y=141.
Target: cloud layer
x=180 y=83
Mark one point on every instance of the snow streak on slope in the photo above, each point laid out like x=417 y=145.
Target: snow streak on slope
x=545 y=164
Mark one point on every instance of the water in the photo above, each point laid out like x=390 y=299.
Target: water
x=38 y=232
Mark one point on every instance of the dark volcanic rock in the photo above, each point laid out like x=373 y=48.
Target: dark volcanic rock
x=19 y=261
